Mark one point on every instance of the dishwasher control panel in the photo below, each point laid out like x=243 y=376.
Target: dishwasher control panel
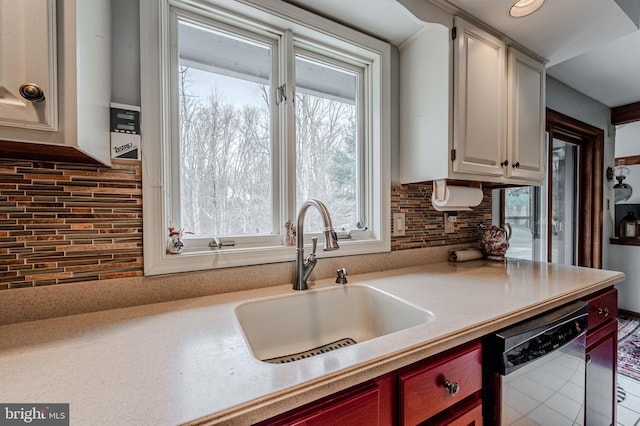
x=516 y=346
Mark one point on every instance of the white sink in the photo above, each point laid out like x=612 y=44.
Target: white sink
x=285 y=327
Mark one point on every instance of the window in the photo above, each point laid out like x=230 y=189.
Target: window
x=261 y=108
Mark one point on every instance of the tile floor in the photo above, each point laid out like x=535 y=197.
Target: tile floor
x=629 y=408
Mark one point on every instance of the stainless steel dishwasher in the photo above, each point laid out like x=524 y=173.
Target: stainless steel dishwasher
x=537 y=368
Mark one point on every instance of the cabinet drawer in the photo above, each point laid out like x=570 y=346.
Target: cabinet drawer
x=424 y=393
x=472 y=417
x=602 y=306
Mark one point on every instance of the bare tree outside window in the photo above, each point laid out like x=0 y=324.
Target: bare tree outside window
x=225 y=137
x=225 y=164
x=326 y=140
x=326 y=158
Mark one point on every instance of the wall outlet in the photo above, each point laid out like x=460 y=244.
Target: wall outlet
x=398 y=225
x=450 y=223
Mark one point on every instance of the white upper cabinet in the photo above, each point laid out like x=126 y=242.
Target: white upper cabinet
x=479 y=93
x=55 y=78
x=28 y=64
x=476 y=114
x=526 y=106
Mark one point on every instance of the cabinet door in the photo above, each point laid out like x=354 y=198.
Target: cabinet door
x=526 y=115
x=364 y=405
x=479 y=135
x=28 y=56
x=602 y=347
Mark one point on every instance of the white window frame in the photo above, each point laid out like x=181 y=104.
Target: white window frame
x=157 y=128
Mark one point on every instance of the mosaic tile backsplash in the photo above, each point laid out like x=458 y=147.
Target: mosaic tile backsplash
x=425 y=225
x=62 y=222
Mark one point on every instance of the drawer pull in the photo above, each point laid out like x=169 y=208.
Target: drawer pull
x=603 y=311
x=452 y=387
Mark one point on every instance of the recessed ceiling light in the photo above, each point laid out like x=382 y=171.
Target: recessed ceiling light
x=525 y=7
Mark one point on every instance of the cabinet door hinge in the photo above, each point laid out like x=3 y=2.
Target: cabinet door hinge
x=453 y=155
x=454 y=33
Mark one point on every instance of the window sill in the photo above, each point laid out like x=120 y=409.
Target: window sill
x=198 y=259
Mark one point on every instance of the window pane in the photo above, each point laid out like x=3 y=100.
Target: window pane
x=224 y=135
x=326 y=141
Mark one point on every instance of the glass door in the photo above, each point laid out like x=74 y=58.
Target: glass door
x=544 y=218
x=564 y=200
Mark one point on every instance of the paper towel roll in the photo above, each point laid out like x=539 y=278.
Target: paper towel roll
x=464 y=255
x=457 y=198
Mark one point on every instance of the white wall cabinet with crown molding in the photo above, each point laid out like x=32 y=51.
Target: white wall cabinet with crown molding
x=55 y=79
x=484 y=121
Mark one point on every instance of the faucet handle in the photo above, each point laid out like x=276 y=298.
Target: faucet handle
x=311 y=259
x=342 y=276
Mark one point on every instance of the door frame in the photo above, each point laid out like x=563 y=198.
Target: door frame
x=590 y=139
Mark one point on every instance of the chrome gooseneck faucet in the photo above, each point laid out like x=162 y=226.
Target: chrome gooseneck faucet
x=304 y=266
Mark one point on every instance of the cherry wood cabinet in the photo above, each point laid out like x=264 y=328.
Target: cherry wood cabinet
x=602 y=353
x=466 y=414
x=441 y=390
x=603 y=307
x=440 y=384
x=367 y=404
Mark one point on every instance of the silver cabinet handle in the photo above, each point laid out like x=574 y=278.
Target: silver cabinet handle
x=32 y=92
x=452 y=387
x=603 y=311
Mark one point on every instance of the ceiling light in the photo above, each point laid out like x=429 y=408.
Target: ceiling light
x=525 y=7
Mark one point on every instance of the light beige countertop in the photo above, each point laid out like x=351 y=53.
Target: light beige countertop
x=180 y=361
